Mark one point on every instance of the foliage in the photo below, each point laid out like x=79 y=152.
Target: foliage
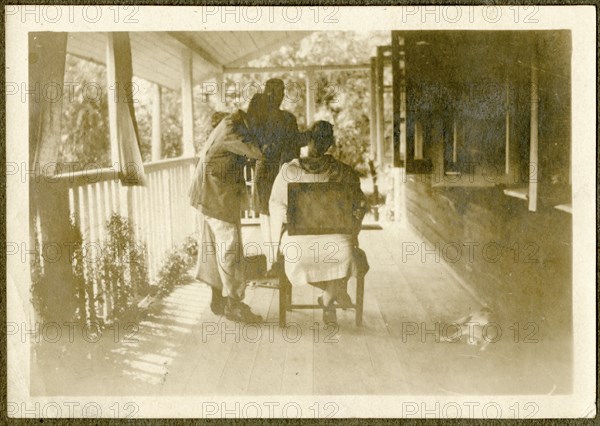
x=171 y=125
x=170 y=117
x=172 y=273
x=40 y=290
x=175 y=269
x=190 y=248
x=119 y=276
x=122 y=270
x=342 y=98
x=84 y=122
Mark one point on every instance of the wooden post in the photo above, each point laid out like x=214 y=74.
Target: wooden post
x=49 y=204
x=396 y=100
x=60 y=292
x=220 y=95
x=454 y=141
x=187 y=104
x=311 y=98
x=403 y=131
x=533 y=138
x=111 y=77
x=156 y=129
x=46 y=73
x=512 y=166
x=373 y=112
x=418 y=140
x=409 y=107
x=380 y=107
x=507 y=165
x=399 y=214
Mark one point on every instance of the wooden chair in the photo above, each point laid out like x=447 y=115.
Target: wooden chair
x=317 y=209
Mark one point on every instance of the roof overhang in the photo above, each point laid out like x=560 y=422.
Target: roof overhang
x=156 y=56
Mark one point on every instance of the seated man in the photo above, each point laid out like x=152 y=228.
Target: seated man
x=324 y=261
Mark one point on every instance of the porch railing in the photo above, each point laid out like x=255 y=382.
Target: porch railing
x=160 y=211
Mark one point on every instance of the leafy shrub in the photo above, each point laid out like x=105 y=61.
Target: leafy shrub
x=122 y=272
x=173 y=272
x=190 y=248
x=41 y=292
x=120 y=275
x=176 y=267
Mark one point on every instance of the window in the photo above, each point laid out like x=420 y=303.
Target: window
x=486 y=108
x=545 y=166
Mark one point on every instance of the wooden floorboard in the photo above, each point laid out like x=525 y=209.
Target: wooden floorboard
x=236 y=373
x=267 y=369
x=184 y=349
x=298 y=372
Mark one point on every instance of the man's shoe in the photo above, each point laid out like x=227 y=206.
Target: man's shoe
x=240 y=312
x=217 y=302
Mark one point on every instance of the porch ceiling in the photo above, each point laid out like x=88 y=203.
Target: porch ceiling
x=156 y=55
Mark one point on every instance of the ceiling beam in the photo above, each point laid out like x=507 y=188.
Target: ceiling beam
x=267 y=48
x=297 y=68
x=193 y=46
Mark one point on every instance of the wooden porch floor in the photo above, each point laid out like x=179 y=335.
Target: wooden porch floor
x=183 y=349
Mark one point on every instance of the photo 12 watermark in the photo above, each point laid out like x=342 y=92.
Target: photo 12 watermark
x=64 y=15
x=71 y=409
x=285 y=211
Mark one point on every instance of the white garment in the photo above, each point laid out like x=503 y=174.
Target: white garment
x=310 y=258
x=269 y=239
x=220 y=256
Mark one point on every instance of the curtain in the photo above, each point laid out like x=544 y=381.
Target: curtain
x=48 y=200
x=47 y=55
x=131 y=167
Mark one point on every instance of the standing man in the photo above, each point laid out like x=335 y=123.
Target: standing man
x=280 y=142
x=217 y=191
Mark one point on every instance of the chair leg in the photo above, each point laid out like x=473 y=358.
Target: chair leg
x=288 y=295
x=282 y=303
x=360 y=296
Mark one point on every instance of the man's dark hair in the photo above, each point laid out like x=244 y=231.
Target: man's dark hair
x=274 y=92
x=321 y=132
x=273 y=85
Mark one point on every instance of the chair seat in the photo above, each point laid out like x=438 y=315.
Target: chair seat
x=285 y=300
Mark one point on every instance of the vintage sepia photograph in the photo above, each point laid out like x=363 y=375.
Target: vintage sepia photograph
x=284 y=212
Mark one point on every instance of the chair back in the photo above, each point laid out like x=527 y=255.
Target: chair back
x=318 y=208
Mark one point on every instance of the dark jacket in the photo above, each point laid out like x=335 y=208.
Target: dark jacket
x=218 y=186
x=280 y=141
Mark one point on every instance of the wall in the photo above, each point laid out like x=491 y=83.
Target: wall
x=522 y=263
